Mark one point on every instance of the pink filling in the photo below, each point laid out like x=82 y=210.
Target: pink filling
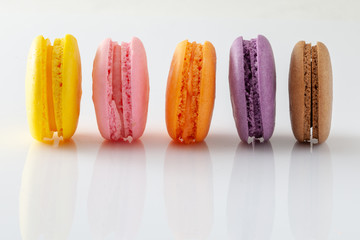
x=119 y=74
x=126 y=87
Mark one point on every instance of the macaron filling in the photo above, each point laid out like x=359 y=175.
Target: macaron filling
x=314 y=93
x=119 y=95
x=307 y=94
x=49 y=89
x=53 y=86
x=311 y=82
x=57 y=83
x=190 y=93
x=126 y=87
x=252 y=96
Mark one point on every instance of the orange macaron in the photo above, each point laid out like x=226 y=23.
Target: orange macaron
x=190 y=91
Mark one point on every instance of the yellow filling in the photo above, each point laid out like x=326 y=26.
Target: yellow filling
x=57 y=82
x=50 y=102
x=45 y=85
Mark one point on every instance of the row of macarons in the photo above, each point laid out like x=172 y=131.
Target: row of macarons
x=121 y=89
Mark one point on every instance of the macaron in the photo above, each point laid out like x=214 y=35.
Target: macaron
x=121 y=89
x=190 y=91
x=53 y=87
x=310 y=92
x=252 y=80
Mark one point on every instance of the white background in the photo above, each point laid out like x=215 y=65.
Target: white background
x=221 y=189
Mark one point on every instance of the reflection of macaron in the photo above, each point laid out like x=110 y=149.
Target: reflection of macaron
x=47 y=198
x=310 y=192
x=53 y=87
x=188 y=190
x=310 y=92
x=251 y=195
x=252 y=80
x=190 y=91
x=117 y=190
x=121 y=89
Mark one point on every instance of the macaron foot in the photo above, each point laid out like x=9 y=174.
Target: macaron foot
x=254 y=139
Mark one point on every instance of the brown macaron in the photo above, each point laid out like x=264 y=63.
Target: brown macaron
x=310 y=92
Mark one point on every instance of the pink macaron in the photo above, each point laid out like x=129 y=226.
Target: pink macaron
x=121 y=89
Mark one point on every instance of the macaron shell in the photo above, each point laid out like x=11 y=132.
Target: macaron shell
x=139 y=87
x=325 y=92
x=267 y=85
x=101 y=88
x=173 y=88
x=237 y=88
x=36 y=90
x=71 y=88
x=207 y=92
x=296 y=91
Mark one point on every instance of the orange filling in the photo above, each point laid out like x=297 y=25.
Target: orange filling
x=190 y=93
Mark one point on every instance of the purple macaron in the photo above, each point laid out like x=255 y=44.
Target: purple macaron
x=252 y=80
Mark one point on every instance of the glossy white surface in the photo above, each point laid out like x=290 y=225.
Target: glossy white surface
x=155 y=189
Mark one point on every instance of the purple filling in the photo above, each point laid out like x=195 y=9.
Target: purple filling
x=252 y=89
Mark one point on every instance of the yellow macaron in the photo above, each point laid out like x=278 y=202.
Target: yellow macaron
x=53 y=87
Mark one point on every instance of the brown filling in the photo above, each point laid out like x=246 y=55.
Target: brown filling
x=311 y=92
x=307 y=94
x=315 y=93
